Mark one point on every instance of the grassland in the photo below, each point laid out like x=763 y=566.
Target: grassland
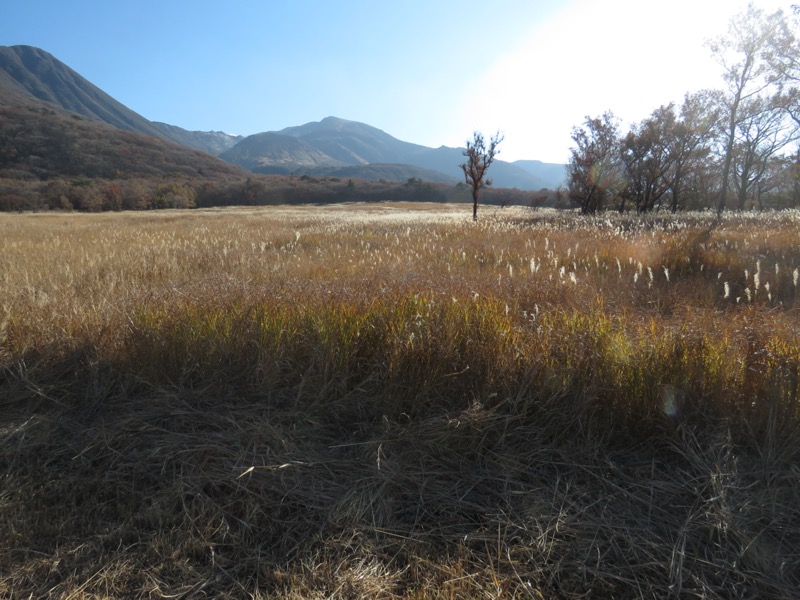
x=387 y=401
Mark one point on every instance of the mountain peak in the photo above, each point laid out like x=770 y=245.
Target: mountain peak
x=33 y=71
x=331 y=124
x=333 y=142
x=336 y=121
x=23 y=50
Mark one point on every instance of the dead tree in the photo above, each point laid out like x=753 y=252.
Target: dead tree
x=479 y=158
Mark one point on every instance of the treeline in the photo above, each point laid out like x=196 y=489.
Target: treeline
x=263 y=190
x=307 y=189
x=96 y=195
x=730 y=148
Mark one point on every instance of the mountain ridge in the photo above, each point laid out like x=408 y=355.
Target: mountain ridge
x=30 y=71
x=321 y=147
x=357 y=144
x=40 y=74
x=210 y=142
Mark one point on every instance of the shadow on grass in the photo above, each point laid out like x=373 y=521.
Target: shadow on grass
x=113 y=486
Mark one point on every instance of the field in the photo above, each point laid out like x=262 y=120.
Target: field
x=391 y=401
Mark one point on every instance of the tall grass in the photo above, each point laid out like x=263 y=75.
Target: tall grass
x=374 y=400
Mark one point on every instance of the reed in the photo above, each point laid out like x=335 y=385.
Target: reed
x=394 y=401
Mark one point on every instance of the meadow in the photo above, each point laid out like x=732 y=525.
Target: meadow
x=391 y=401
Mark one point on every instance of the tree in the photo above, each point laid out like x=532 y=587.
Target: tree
x=175 y=195
x=749 y=74
x=251 y=191
x=778 y=183
x=664 y=153
x=594 y=171
x=783 y=58
x=760 y=135
x=689 y=142
x=479 y=159
x=647 y=159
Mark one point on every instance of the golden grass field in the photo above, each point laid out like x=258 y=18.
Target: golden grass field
x=392 y=401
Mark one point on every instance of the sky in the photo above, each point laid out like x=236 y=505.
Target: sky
x=429 y=72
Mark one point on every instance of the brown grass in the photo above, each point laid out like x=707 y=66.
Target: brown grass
x=379 y=401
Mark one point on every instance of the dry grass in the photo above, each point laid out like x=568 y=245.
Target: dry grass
x=387 y=401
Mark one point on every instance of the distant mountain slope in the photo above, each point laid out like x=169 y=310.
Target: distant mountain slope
x=39 y=142
x=553 y=174
x=316 y=147
x=54 y=123
x=29 y=74
x=353 y=143
x=501 y=173
x=210 y=142
x=31 y=70
x=276 y=153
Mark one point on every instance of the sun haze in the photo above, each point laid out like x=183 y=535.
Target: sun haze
x=626 y=56
x=424 y=72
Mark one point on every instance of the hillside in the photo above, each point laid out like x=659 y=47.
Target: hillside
x=34 y=72
x=548 y=172
x=210 y=142
x=66 y=143
x=354 y=143
x=52 y=157
x=276 y=153
x=26 y=72
x=316 y=147
x=38 y=142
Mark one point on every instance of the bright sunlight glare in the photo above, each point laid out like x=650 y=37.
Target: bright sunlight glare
x=627 y=56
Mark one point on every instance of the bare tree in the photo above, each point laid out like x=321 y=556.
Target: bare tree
x=783 y=58
x=761 y=134
x=479 y=158
x=689 y=140
x=743 y=54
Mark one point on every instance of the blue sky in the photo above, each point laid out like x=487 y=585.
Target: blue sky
x=425 y=71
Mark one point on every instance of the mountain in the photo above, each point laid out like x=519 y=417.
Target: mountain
x=555 y=174
x=501 y=173
x=210 y=142
x=34 y=72
x=322 y=147
x=28 y=71
x=33 y=79
x=353 y=143
x=277 y=153
x=40 y=142
x=54 y=123
x=333 y=147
